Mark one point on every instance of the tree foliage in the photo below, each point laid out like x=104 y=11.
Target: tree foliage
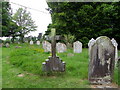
x=85 y=20
x=23 y=19
x=6 y=18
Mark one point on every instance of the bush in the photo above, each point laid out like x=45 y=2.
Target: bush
x=7 y=41
x=84 y=41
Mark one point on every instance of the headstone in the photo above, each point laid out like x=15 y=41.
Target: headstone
x=46 y=46
x=7 y=45
x=102 y=59
x=61 y=47
x=77 y=46
x=116 y=50
x=18 y=42
x=38 y=42
x=90 y=44
x=53 y=63
x=1 y=44
x=31 y=42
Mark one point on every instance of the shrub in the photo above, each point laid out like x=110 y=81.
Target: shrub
x=84 y=41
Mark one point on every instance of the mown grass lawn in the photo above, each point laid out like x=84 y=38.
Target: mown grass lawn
x=27 y=61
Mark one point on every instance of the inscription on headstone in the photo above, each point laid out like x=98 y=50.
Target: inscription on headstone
x=102 y=59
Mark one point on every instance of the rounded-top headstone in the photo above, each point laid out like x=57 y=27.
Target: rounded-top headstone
x=31 y=42
x=77 y=46
x=102 y=59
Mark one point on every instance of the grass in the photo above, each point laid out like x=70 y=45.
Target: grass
x=28 y=61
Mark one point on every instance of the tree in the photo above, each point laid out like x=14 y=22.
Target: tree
x=6 y=18
x=85 y=20
x=23 y=19
x=13 y=30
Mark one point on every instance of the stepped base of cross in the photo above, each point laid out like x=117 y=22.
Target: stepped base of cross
x=53 y=64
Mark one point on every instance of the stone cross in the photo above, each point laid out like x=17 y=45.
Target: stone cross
x=53 y=43
x=53 y=37
x=53 y=63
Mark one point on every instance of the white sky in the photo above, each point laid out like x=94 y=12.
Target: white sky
x=42 y=20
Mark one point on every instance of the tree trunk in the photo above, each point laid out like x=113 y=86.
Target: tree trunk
x=22 y=37
x=13 y=39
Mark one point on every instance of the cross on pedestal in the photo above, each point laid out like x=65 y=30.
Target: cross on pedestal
x=53 y=63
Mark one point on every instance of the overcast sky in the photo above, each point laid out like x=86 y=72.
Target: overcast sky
x=42 y=20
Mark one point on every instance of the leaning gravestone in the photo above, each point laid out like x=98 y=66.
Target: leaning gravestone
x=77 y=47
x=116 y=50
x=61 y=47
x=53 y=63
x=46 y=46
x=102 y=59
x=38 y=42
x=31 y=42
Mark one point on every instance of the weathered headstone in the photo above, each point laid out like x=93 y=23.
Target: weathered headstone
x=61 y=47
x=7 y=45
x=1 y=44
x=116 y=50
x=102 y=59
x=90 y=44
x=38 y=42
x=53 y=63
x=31 y=42
x=18 y=42
x=46 y=46
x=77 y=47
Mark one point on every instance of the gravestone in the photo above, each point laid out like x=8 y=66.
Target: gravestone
x=102 y=59
x=53 y=63
x=31 y=42
x=1 y=44
x=18 y=42
x=61 y=47
x=7 y=45
x=77 y=47
x=90 y=44
x=38 y=42
x=46 y=46
x=116 y=50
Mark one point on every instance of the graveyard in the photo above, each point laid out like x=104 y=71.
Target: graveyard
x=67 y=45
x=25 y=64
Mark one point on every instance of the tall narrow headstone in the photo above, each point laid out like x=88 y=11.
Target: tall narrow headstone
x=77 y=46
x=116 y=50
x=102 y=59
x=53 y=63
x=90 y=44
